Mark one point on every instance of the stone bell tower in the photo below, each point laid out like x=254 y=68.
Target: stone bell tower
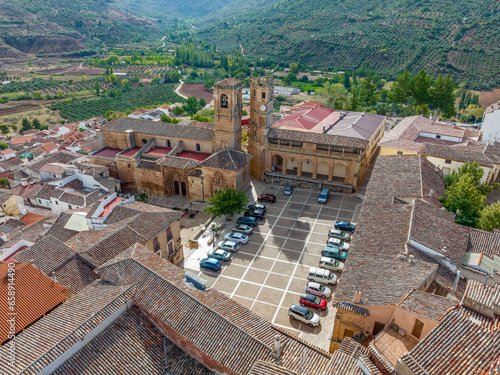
x=261 y=119
x=227 y=114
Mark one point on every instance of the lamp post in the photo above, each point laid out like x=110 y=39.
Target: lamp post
x=202 y=189
x=191 y=208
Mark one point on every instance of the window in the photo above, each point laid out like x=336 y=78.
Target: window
x=156 y=245
x=168 y=232
x=144 y=141
x=40 y=201
x=263 y=95
x=128 y=165
x=348 y=332
x=254 y=93
x=400 y=152
x=47 y=203
x=70 y=206
x=57 y=202
x=321 y=147
x=447 y=161
x=273 y=141
x=284 y=143
x=296 y=144
x=168 y=143
x=438 y=136
x=198 y=147
x=223 y=101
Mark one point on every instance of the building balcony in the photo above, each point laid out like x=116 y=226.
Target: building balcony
x=390 y=345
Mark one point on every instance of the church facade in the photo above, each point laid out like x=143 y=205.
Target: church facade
x=192 y=158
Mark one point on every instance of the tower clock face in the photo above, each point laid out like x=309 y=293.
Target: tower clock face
x=262 y=107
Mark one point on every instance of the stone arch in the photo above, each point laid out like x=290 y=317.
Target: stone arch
x=176 y=183
x=339 y=172
x=307 y=168
x=277 y=163
x=292 y=166
x=323 y=170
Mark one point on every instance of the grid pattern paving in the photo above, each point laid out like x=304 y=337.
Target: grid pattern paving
x=269 y=273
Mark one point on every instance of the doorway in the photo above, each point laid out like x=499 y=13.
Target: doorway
x=417 y=328
x=176 y=187
x=183 y=188
x=377 y=328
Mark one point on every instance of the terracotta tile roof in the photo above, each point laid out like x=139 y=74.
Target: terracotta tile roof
x=404 y=177
x=31 y=218
x=11 y=164
x=47 y=147
x=122 y=124
x=372 y=265
x=330 y=139
x=55 y=168
x=45 y=192
x=484 y=242
x=82 y=198
x=462 y=153
x=4 y=197
x=429 y=305
x=436 y=229
x=133 y=345
x=21 y=139
x=227 y=159
x=485 y=295
x=177 y=162
x=149 y=165
x=29 y=191
x=228 y=82
x=7 y=151
x=57 y=229
x=346 y=359
x=219 y=327
x=62 y=157
x=36 y=295
x=492 y=324
x=90 y=146
x=266 y=368
x=64 y=327
x=456 y=346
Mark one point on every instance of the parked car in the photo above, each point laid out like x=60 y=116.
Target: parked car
x=228 y=245
x=248 y=220
x=334 y=252
x=345 y=225
x=311 y=300
x=318 y=290
x=335 y=242
x=236 y=237
x=266 y=198
x=324 y=195
x=331 y=264
x=257 y=206
x=304 y=315
x=257 y=212
x=210 y=263
x=321 y=275
x=219 y=254
x=339 y=234
x=289 y=190
x=242 y=229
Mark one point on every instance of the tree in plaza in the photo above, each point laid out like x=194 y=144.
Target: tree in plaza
x=466 y=194
x=36 y=123
x=227 y=202
x=4 y=129
x=420 y=85
x=294 y=68
x=442 y=95
x=26 y=124
x=401 y=88
x=333 y=95
x=489 y=218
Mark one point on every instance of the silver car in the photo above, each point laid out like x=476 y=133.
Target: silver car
x=228 y=245
x=337 y=233
x=242 y=228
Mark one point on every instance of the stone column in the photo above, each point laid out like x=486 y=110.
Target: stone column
x=283 y=168
x=315 y=168
x=330 y=172
x=299 y=167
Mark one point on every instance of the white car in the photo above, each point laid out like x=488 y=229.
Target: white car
x=331 y=264
x=339 y=244
x=228 y=245
x=318 y=290
x=236 y=237
x=296 y=312
x=337 y=233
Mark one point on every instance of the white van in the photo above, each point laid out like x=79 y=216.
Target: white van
x=331 y=264
x=322 y=276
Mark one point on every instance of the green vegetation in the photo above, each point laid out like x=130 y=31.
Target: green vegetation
x=227 y=202
x=466 y=195
x=82 y=109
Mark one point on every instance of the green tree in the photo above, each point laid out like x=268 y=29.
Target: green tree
x=401 y=88
x=461 y=103
x=442 y=95
x=4 y=182
x=4 y=129
x=165 y=118
x=489 y=218
x=209 y=84
x=202 y=103
x=227 y=202
x=60 y=94
x=174 y=76
x=420 y=86
x=347 y=80
x=3 y=145
x=191 y=106
x=26 y=124
x=36 y=123
x=125 y=83
x=14 y=128
x=287 y=81
x=38 y=96
x=294 y=68
x=475 y=111
x=143 y=198
x=178 y=111
x=353 y=100
x=333 y=95
x=367 y=92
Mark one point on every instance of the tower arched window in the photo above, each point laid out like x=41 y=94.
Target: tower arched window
x=223 y=101
x=198 y=147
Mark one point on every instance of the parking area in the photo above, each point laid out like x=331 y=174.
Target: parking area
x=269 y=273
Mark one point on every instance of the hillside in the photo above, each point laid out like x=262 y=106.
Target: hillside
x=65 y=26
x=461 y=37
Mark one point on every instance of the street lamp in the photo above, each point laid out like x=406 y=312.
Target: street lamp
x=191 y=208
x=202 y=188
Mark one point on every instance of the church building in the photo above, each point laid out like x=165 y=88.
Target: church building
x=191 y=158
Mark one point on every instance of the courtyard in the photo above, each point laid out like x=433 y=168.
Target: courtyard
x=269 y=273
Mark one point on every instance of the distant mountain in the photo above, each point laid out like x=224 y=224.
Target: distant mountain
x=461 y=37
x=65 y=26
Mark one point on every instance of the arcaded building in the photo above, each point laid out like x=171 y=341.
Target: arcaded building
x=312 y=146
x=190 y=158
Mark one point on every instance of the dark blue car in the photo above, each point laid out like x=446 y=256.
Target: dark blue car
x=344 y=225
x=248 y=220
x=210 y=263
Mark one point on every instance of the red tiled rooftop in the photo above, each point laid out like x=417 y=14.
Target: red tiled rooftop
x=109 y=207
x=130 y=152
x=198 y=156
x=108 y=152
x=309 y=118
x=160 y=151
x=31 y=218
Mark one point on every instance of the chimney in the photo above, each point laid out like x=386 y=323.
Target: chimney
x=457 y=279
x=324 y=128
x=277 y=348
x=357 y=296
x=486 y=279
x=24 y=181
